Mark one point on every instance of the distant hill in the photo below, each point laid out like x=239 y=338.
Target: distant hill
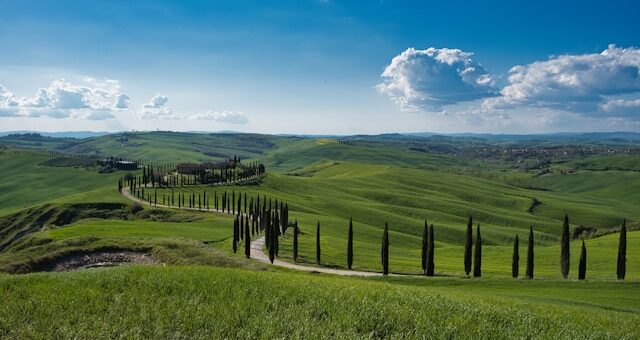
x=62 y=134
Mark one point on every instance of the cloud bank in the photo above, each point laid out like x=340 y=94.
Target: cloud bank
x=586 y=84
x=89 y=99
x=604 y=86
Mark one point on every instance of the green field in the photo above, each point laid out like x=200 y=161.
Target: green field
x=222 y=303
x=48 y=213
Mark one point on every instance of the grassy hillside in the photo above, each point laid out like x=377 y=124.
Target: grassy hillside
x=159 y=146
x=177 y=302
x=25 y=182
x=298 y=155
x=404 y=197
x=51 y=211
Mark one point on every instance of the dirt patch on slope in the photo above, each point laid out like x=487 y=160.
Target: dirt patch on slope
x=102 y=259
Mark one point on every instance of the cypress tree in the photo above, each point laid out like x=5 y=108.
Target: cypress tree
x=621 y=268
x=247 y=239
x=276 y=233
x=318 y=243
x=425 y=247
x=529 y=270
x=350 y=244
x=385 y=250
x=272 y=248
x=467 y=246
x=582 y=267
x=295 y=241
x=564 y=248
x=515 y=260
x=235 y=235
x=477 y=256
x=430 y=253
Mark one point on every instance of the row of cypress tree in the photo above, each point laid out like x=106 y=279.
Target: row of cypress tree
x=474 y=261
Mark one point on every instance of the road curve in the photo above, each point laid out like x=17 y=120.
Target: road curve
x=258 y=246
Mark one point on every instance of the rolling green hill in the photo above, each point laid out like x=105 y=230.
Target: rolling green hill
x=49 y=213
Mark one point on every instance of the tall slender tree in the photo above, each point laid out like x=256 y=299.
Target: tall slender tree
x=582 y=267
x=564 y=248
x=430 y=253
x=468 y=245
x=621 y=267
x=247 y=238
x=385 y=250
x=235 y=235
x=515 y=259
x=477 y=255
x=318 y=243
x=350 y=244
x=425 y=247
x=295 y=241
x=529 y=270
x=272 y=248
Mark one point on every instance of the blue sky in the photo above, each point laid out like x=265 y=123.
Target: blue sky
x=317 y=66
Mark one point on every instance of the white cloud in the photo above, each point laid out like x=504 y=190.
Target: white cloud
x=122 y=101
x=157 y=108
x=157 y=101
x=228 y=117
x=586 y=84
x=62 y=99
x=432 y=78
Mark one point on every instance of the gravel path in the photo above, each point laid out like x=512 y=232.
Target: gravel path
x=258 y=246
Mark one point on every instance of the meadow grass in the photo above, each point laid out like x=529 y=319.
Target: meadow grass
x=199 y=302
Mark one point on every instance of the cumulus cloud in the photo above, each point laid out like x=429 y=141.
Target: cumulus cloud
x=62 y=99
x=587 y=84
x=228 y=117
x=157 y=108
x=432 y=78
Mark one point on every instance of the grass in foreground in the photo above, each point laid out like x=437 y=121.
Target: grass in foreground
x=176 y=302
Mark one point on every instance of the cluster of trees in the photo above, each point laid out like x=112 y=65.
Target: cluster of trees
x=270 y=218
x=186 y=174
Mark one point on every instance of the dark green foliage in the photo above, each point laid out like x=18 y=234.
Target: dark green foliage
x=350 y=244
x=276 y=234
x=318 y=243
x=515 y=260
x=247 y=239
x=621 y=267
x=295 y=241
x=477 y=256
x=582 y=267
x=468 y=245
x=430 y=253
x=529 y=270
x=385 y=250
x=235 y=235
x=425 y=247
x=564 y=248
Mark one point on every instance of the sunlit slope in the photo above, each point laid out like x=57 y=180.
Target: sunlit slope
x=404 y=197
x=178 y=147
x=25 y=183
x=296 y=156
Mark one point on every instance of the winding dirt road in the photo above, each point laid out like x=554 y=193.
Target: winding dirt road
x=258 y=246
